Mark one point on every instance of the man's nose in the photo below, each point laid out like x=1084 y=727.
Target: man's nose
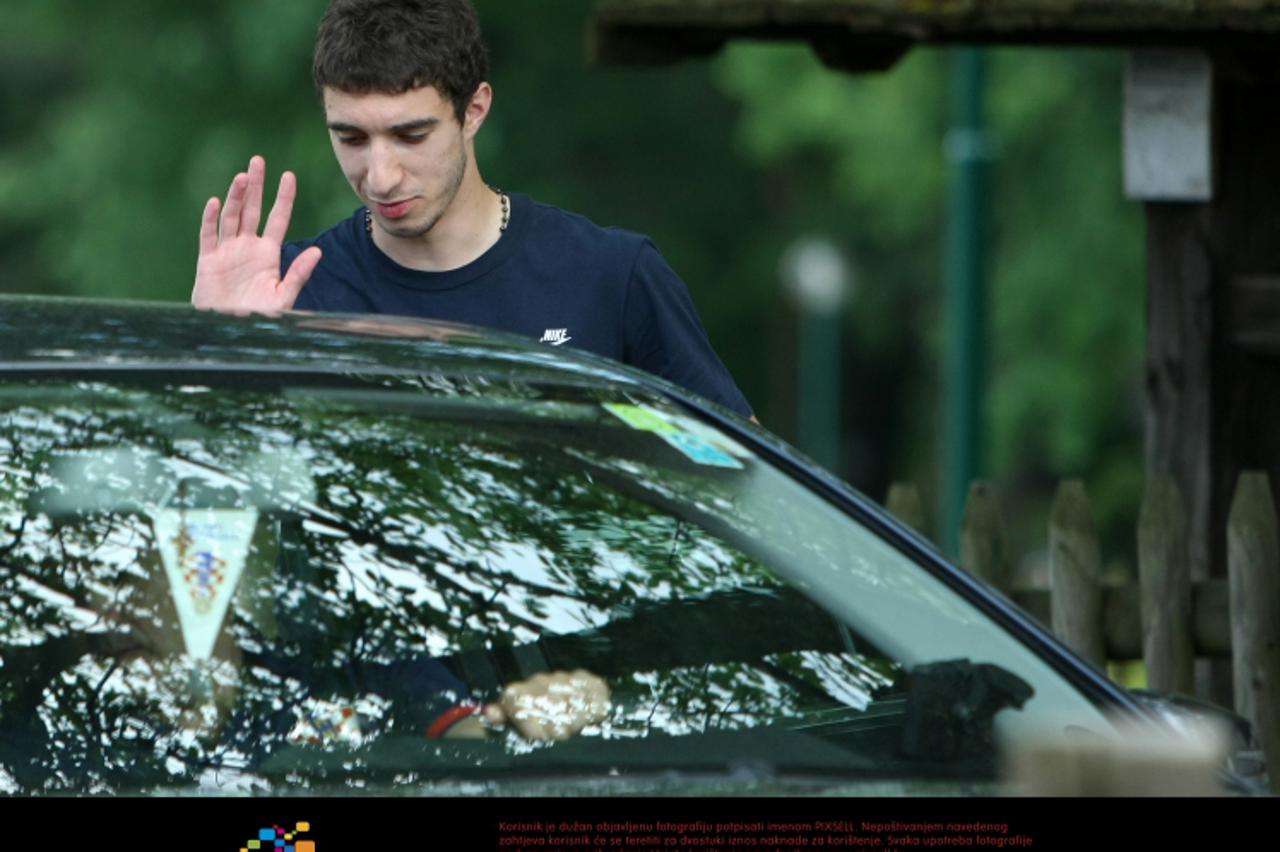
x=383 y=174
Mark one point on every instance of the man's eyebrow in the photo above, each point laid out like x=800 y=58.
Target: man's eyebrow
x=403 y=127
x=416 y=124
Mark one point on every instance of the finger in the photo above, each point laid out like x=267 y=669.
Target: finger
x=252 y=214
x=519 y=705
x=209 y=226
x=599 y=689
x=230 y=226
x=530 y=726
x=532 y=729
x=592 y=688
x=494 y=716
x=282 y=210
x=296 y=277
x=594 y=708
x=511 y=701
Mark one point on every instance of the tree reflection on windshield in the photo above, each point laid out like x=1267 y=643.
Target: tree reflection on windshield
x=409 y=550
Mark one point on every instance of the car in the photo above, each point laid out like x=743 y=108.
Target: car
x=285 y=554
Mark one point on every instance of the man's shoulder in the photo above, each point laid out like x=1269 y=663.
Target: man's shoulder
x=557 y=225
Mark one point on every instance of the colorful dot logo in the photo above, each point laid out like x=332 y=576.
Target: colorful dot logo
x=277 y=839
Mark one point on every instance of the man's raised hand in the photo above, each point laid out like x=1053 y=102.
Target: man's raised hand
x=238 y=271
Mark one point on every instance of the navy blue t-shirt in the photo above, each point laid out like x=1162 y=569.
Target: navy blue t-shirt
x=553 y=276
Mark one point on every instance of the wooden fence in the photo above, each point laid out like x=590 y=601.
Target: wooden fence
x=1166 y=619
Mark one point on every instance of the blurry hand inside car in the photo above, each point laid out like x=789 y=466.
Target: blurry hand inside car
x=550 y=706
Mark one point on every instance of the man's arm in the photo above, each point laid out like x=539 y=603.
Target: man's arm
x=665 y=336
x=237 y=270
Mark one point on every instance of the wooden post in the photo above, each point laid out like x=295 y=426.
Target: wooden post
x=1075 y=566
x=983 y=549
x=1253 y=567
x=1164 y=577
x=904 y=503
x=1179 y=337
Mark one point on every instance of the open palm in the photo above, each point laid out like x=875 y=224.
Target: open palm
x=238 y=270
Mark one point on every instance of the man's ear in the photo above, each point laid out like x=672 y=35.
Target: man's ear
x=477 y=109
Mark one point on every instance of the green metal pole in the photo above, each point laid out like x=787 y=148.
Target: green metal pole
x=816 y=277
x=820 y=386
x=967 y=152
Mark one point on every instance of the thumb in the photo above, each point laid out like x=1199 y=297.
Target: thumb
x=299 y=272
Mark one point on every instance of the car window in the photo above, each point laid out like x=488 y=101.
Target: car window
x=281 y=587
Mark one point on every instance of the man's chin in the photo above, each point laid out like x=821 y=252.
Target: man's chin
x=405 y=230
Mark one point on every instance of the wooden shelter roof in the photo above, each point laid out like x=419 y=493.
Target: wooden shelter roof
x=872 y=34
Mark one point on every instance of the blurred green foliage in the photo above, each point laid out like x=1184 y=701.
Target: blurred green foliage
x=1066 y=285
x=119 y=119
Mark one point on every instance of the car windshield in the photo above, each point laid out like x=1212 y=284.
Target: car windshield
x=276 y=583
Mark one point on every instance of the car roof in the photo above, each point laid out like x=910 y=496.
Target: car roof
x=57 y=333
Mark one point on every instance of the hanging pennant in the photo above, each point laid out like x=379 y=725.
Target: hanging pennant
x=204 y=553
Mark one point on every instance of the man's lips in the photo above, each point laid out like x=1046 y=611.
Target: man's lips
x=394 y=210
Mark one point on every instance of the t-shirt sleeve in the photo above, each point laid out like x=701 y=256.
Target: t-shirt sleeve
x=665 y=336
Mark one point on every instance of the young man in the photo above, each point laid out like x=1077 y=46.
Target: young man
x=404 y=88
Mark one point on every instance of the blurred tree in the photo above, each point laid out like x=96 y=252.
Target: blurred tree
x=1066 y=276
x=159 y=105
x=858 y=159
x=1068 y=289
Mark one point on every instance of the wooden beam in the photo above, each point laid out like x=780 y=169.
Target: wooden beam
x=1179 y=358
x=1165 y=580
x=870 y=34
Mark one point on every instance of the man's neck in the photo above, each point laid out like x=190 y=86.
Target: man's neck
x=468 y=229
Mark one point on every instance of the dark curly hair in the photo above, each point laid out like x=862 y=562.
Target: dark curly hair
x=392 y=46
